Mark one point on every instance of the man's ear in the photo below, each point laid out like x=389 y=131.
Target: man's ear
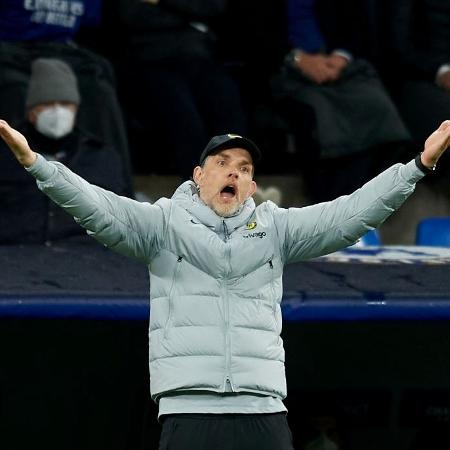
x=197 y=175
x=252 y=189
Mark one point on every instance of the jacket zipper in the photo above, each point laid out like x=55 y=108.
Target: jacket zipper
x=225 y=231
x=172 y=287
x=228 y=383
x=272 y=288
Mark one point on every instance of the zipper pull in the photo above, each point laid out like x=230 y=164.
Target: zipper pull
x=225 y=230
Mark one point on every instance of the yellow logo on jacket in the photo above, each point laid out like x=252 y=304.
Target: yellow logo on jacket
x=251 y=225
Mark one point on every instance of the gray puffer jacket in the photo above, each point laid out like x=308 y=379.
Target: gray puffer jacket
x=216 y=283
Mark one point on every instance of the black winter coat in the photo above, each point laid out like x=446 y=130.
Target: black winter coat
x=26 y=214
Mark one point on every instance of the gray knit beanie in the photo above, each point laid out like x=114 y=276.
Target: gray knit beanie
x=52 y=80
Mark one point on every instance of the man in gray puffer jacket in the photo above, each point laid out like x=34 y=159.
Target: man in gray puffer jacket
x=215 y=263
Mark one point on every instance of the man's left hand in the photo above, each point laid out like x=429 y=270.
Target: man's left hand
x=436 y=144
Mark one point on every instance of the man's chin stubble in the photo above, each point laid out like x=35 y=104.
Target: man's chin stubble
x=226 y=211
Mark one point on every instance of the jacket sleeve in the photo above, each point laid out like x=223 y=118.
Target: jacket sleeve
x=303 y=28
x=125 y=225
x=327 y=227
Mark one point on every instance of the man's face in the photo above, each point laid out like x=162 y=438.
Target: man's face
x=54 y=120
x=33 y=113
x=226 y=180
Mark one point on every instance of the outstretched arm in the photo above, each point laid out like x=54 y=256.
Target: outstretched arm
x=436 y=144
x=18 y=144
x=125 y=225
x=326 y=227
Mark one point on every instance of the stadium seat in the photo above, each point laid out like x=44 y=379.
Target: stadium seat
x=372 y=237
x=434 y=231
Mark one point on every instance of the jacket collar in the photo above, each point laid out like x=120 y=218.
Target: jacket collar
x=187 y=197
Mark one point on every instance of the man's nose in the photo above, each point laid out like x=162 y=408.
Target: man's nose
x=234 y=173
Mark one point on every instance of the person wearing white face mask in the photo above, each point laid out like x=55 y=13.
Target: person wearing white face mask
x=56 y=121
x=53 y=98
x=51 y=105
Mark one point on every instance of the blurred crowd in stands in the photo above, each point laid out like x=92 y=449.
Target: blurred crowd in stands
x=332 y=91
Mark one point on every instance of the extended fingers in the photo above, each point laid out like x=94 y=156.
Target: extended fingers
x=445 y=125
x=3 y=128
x=5 y=131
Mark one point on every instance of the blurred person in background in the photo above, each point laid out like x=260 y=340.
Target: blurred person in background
x=49 y=29
x=52 y=103
x=183 y=92
x=357 y=126
x=419 y=66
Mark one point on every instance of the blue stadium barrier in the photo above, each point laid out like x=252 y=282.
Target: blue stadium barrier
x=91 y=282
x=434 y=231
x=372 y=237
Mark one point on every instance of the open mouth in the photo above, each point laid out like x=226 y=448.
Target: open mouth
x=228 y=192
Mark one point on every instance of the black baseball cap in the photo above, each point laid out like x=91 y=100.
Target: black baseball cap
x=225 y=141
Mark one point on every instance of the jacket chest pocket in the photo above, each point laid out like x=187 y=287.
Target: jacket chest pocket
x=259 y=289
x=176 y=273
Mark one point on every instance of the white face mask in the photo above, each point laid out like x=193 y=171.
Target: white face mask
x=55 y=122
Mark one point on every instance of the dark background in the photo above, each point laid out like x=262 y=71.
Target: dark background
x=72 y=384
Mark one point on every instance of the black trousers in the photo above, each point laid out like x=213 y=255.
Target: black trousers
x=226 y=432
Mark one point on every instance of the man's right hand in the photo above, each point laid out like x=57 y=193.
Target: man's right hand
x=316 y=68
x=337 y=63
x=18 y=144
